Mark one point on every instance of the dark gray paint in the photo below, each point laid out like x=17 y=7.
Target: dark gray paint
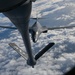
x=6 y=5
x=20 y=18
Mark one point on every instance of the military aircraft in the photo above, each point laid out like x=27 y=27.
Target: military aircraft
x=19 y=11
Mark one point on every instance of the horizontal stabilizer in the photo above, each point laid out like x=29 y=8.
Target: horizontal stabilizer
x=25 y=56
x=45 y=49
x=19 y=50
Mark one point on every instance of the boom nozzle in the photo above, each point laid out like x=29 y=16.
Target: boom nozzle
x=31 y=62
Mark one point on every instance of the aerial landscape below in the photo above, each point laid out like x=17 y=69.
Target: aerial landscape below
x=57 y=60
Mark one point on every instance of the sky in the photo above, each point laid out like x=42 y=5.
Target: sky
x=59 y=59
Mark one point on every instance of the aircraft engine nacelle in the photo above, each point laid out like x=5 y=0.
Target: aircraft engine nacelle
x=6 y=5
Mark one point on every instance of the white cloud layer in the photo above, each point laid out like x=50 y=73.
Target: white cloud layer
x=58 y=59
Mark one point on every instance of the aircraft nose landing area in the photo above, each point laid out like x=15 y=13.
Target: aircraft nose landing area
x=36 y=30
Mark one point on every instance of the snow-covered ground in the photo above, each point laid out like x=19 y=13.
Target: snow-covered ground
x=59 y=59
